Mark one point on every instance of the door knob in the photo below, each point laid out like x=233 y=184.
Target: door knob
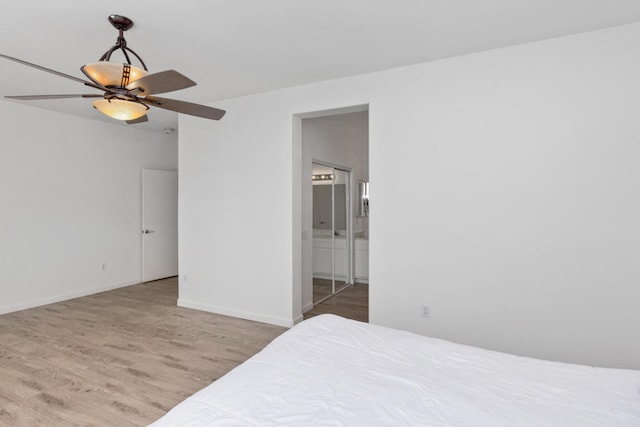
x=148 y=231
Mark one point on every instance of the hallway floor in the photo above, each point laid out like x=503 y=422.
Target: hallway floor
x=352 y=303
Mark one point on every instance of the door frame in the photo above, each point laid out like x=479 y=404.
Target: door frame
x=300 y=237
x=143 y=225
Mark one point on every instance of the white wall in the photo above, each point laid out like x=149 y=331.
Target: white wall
x=71 y=201
x=521 y=230
x=514 y=173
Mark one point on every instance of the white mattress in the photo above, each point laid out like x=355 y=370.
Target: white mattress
x=338 y=372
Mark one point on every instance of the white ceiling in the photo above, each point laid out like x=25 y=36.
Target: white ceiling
x=239 y=47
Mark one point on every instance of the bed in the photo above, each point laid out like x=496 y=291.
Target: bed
x=333 y=371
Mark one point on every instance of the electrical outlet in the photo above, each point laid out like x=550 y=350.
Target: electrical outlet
x=103 y=266
x=425 y=311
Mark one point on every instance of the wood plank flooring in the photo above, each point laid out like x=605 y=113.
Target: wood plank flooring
x=127 y=356
x=123 y=357
x=322 y=288
x=352 y=303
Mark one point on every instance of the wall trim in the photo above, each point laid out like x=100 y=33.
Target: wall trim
x=65 y=297
x=328 y=276
x=307 y=307
x=287 y=323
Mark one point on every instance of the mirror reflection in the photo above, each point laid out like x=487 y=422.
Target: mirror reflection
x=363 y=199
x=331 y=245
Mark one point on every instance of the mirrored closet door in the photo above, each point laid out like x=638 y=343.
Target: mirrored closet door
x=332 y=237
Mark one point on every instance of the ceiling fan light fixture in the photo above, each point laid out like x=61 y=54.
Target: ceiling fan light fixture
x=127 y=90
x=121 y=109
x=111 y=74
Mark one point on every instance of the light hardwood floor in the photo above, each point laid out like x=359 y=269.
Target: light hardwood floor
x=123 y=357
x=351 y=302
x=127 y=356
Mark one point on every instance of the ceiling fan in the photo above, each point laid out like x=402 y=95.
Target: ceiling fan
x=127 y=89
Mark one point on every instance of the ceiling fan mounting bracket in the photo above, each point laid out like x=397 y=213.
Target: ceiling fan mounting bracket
x=121 y=23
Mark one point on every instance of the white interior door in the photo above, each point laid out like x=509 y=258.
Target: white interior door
x=159 y=224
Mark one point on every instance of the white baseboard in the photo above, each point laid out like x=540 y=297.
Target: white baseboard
x=287 y=323
x=328 y=276
x=307 y=307
x=65 y=297
x=364 y=280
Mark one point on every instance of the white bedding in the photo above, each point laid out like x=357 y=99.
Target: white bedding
x=333 y=371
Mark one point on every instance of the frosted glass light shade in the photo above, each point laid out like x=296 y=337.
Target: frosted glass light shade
x=109 y=74
x=120 y=109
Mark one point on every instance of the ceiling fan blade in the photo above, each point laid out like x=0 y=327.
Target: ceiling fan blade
x=36 y=97
x=49 y=70
x=184 y=107
x=164 y=81
x=138 y=120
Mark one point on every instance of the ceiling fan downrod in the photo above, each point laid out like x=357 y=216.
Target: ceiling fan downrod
x=122 y=24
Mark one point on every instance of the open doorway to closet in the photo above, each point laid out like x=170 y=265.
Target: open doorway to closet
x=335 y=236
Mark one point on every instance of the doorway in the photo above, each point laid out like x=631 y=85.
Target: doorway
x=332 y=237
x=337 y=139
x=159 y=224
